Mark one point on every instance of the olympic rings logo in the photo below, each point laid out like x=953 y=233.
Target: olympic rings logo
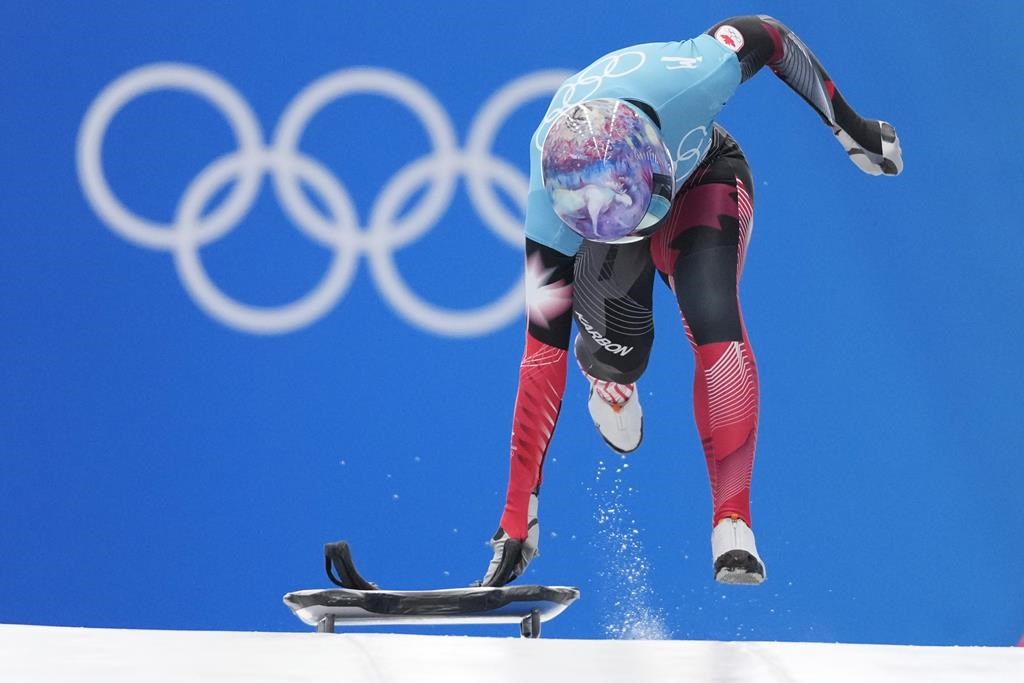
x=388 y=229
x=691 y=155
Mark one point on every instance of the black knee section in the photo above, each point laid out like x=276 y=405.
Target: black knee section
x=619 y=363
x=706 y=289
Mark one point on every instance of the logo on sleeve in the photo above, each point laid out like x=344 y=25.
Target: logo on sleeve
x=730 y=37
x=673 y=63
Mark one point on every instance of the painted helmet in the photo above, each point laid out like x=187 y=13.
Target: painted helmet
x=607 y=171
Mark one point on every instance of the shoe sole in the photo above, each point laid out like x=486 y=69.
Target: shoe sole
x=738 y=577
x=738 y=567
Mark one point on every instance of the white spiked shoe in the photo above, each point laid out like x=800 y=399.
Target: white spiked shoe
x=615 y=409
x=735 y=553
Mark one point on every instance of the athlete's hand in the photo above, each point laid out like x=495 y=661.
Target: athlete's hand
x=889 y=162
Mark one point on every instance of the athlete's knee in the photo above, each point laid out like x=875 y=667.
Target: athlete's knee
x=706 y=290
x=712 y=316
x=714 y=319
x=622 y=363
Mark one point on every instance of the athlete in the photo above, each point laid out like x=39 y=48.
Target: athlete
x=629 y=175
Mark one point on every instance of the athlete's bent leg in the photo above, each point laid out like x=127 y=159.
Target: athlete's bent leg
x=612 y=308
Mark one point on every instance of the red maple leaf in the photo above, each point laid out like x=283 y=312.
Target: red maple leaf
x=727 y=40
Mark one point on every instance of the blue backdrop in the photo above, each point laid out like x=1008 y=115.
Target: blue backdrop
x=236 y=235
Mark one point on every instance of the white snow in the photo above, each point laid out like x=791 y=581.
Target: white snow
x=77 y=655
x=634 y=616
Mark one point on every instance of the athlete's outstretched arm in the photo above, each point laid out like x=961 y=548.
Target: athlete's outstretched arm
x=549 y=289
x=759 y=40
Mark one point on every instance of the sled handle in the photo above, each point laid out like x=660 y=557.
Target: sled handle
x=338 y=557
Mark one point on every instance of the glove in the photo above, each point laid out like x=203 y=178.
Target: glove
x=889 y=162
x=511 y=556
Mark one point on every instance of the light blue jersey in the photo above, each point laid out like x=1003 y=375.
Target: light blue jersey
x=687 y=83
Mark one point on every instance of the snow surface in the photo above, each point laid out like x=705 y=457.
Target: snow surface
x=73 y=655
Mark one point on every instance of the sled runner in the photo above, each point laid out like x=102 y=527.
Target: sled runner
x=360 y=602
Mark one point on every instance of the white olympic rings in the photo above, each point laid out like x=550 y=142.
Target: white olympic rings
x=389 y=227
x=687 y=158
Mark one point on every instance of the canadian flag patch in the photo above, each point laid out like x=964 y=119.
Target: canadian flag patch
x=730 y=37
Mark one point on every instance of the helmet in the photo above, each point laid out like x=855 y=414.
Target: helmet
x=607 y=171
